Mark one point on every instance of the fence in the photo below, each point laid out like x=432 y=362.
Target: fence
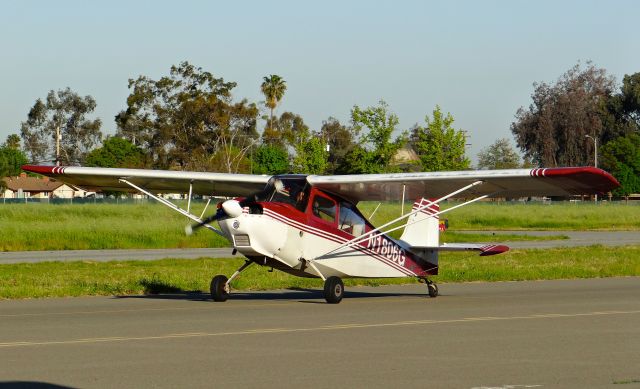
x=145 y=200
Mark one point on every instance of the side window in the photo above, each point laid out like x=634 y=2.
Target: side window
x=350 y=221
x=324 y=208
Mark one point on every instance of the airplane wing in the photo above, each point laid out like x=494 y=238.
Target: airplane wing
x=495 y=183
x=156 y=181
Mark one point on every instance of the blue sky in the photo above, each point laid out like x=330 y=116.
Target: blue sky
x=476 y=59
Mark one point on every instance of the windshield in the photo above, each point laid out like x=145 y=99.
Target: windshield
x=292 y=190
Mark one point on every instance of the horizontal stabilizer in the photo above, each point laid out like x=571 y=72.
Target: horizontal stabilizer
x=485 y=249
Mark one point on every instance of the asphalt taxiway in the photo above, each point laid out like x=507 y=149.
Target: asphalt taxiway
x=567 y=334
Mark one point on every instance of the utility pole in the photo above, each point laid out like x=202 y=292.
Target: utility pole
x=58 y=146
x=595 y=159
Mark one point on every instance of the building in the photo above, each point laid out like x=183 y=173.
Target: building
x=39 y=188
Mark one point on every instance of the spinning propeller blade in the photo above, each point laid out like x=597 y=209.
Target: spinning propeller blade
x=230 y=208
x=191 y=228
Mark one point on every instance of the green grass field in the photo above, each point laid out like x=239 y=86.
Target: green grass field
x=26 y=227
x=56 y=279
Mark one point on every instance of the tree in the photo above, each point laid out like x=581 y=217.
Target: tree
x=499 y=155
x=622 y=110
x=311 y=157
x=358 y=161
x=187 y=120
x=64 y=111
x=12 y=142
x=292 y=131
x=439 y=145
x=340 y=139
x=630 y=96
x=552 y=131
x=11 y=161
x=273 y=88
x=117 y=152
x=375 y=149
x=270 y=159
x=622 y=158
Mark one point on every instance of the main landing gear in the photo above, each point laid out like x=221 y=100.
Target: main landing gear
x=333 y=290
x=431 y=286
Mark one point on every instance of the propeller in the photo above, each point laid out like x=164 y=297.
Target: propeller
x=229 y=208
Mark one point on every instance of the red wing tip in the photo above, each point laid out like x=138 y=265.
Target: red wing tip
x=599 y=180
x=493 y=250
x=44 y=170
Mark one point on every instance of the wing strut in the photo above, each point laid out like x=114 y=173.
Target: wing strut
x=432 y=215
x=190 y=193
x=375 y=231
x=172 y=206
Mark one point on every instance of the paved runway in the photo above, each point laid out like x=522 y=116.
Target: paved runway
x=548 y=334
x=112 y=255
x=576 y=238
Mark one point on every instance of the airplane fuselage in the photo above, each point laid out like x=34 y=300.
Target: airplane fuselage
x=286 y=236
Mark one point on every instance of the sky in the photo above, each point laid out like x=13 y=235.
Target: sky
x=477 y=60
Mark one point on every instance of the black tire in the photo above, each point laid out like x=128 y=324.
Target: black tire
x=333 y=290
x=433 y=289
x=218 y=290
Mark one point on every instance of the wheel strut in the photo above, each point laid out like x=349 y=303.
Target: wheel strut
x=220 y=285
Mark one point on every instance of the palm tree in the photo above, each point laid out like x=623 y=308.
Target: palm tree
x=273 y=89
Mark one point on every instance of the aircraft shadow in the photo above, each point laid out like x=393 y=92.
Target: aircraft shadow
x=302 y=295
x=30 y=384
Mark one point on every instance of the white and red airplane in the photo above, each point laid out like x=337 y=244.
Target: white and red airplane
x=309 y=226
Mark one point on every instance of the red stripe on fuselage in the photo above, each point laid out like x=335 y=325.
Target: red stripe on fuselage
x=337 y=239
x=291 y=216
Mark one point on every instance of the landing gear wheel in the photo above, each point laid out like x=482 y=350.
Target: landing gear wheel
x=433 y=289
x=333 y=290
x=219 y=289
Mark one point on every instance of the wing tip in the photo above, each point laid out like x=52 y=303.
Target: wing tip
x=598 y=180
x=44 y=169
x=493 y=249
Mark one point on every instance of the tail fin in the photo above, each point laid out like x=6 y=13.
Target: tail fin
x=423 y=229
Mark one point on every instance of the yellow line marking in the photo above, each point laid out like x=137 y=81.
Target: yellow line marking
x=345 y=326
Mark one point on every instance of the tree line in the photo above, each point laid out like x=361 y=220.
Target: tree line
x=189 y=120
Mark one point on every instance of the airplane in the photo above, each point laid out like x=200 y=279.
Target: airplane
x=309 y=225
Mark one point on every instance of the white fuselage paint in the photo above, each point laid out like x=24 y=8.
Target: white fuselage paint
x=291 y=242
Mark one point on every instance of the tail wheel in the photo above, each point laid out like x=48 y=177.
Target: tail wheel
x=219 y=289
x=333 y=290
x=433 y=289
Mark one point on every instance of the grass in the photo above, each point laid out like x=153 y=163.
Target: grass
x=56 y=279
x=26 y=227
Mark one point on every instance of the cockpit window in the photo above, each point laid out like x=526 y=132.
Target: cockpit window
x=292 y=191
x=324 y=208
x=350 y=221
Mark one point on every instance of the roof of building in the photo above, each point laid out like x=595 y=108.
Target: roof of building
x=31 y=184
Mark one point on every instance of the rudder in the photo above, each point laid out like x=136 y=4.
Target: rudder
x=423 y=228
